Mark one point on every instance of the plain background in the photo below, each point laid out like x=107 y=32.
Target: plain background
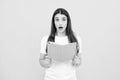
x=24 y=22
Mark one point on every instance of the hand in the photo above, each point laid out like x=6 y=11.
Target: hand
x=46 y=62
x=76 y=61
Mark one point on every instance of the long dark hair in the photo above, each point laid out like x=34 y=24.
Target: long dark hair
x=69 y=32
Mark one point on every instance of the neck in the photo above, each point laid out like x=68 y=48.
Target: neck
x=61 y=34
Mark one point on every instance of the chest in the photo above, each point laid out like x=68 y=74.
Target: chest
x=61 y=40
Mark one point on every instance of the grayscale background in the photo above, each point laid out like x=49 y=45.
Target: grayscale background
x=24 y=22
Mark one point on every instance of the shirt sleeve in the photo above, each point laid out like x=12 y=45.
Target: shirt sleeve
x=80 y=44
x=43 y=45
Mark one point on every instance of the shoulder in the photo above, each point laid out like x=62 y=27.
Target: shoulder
x=44 y=38
x=79 y=39
x=78 y=36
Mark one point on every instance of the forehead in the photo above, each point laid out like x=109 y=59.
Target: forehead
x=60 y=15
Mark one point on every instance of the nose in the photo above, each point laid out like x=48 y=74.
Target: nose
x=60 y=24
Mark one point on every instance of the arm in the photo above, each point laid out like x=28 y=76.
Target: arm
x=77 y=58
x=44 y=60
x=76 y=61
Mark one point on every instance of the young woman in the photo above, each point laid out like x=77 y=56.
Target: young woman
x=61 y=33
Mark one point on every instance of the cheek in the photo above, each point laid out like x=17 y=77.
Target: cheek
x=56 y=24
x=65 y=24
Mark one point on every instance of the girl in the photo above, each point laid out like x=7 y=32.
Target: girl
x=61 y=33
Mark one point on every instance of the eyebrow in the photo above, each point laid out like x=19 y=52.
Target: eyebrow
x=57 y=17
x=64 y=17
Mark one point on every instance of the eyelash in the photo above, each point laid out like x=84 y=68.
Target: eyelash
x=58 y=19
x=64 y=19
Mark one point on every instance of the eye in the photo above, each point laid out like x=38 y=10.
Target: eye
x=64 y=19
x=56 y=19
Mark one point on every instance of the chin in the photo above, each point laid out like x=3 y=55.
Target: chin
x=61 y=31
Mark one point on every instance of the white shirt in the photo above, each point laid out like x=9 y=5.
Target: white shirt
x=62 y=71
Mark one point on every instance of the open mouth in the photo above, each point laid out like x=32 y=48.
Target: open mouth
x=60 y=27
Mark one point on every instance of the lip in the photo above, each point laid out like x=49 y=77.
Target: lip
x=60 y=27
